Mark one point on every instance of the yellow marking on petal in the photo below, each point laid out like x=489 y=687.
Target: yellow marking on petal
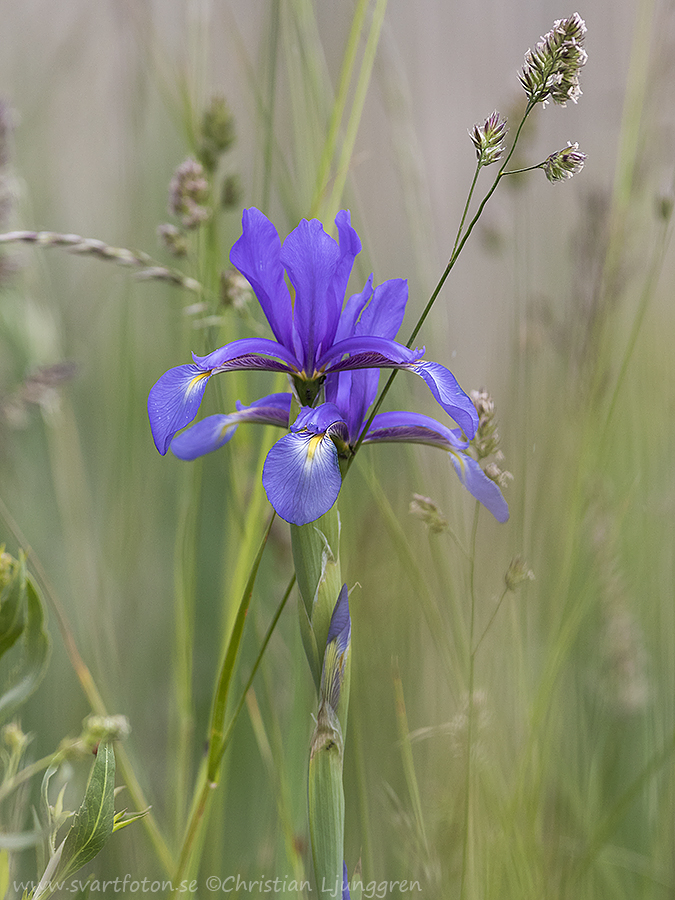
x=192 y=384
x=313 y=445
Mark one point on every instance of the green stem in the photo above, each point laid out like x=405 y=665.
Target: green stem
x=219 y=736
x=489 y=624
x=470 y=715
x=460 y=241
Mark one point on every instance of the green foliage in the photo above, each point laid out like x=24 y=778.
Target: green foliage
x=91 y=827
x=24 y=642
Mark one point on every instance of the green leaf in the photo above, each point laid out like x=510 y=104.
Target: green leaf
x=22 y=629
x=93 y=822
x=122 y=819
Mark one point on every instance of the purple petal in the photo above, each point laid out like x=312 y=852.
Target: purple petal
x=322 y=419
x=249 y=353
x=349 y=392
x=355 y=391
x=480 y=486
x=368 y=352
x=337 y=646
x=311 y=258
x=418 y=429
x=413 y=428
x=350 y=247
x=353 y=309
x=215 y=431
x=340 y=622
x=345 y=882
x=173 y=402
x=301 y=476
x=208 y=435
x=257 y=255
x=446 y=390
x=384 y=313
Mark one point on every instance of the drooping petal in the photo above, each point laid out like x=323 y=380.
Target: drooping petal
x=249 y=353
x=257 y=255
x=448 y=393
x=301 y=476
x=207 y=435
x=413 y=428
x=480 y=486
x=367 y=352
x=215 y=431
x=173 y=402
x=311 y=257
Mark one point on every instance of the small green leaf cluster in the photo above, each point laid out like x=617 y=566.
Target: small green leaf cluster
x=24 y=642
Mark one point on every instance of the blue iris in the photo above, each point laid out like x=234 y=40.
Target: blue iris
x=323 y=343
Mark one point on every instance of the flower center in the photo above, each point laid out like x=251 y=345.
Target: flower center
x=307 y=389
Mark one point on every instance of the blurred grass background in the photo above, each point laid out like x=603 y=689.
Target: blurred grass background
x=571 y=782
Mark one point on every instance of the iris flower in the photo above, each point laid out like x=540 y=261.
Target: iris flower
x=322 y=343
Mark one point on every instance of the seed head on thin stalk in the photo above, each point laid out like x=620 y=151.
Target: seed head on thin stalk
x=517 y=573
x=217 y=131
x=188 y=192
x=425 y=509
x=564 y=163
x=488 y=139
x=487 y=440
x=551 y=70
